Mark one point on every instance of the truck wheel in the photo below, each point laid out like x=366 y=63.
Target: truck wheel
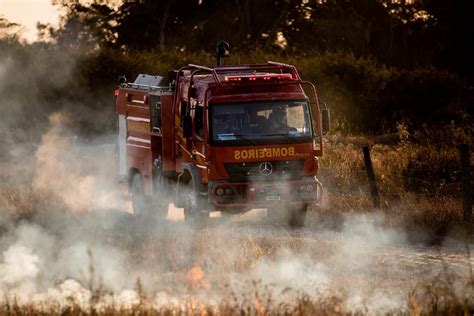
x=297 y=215
x=193 y=206
x=141 y=203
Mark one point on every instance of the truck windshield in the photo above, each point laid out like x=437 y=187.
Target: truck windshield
x=262 y=122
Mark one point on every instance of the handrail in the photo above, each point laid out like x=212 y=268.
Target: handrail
x=224 y=69
x=211 y=70
x=215 y=71
x=200 y=67
x=291 y=67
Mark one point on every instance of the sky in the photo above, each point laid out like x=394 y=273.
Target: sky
x=28 y=13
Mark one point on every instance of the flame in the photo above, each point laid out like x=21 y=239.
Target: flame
x=196 y=278
x=194 y=307
x=194 y=275
x=259 y=308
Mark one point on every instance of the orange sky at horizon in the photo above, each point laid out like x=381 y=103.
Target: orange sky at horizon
x=28 y=13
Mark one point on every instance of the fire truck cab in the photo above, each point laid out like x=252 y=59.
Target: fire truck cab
x=227 y=138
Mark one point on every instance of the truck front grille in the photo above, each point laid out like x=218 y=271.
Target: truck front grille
x=250 y=171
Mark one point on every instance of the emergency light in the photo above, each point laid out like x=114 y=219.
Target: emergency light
x=256 y=77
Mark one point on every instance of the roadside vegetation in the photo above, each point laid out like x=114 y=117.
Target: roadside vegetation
x=418 y=176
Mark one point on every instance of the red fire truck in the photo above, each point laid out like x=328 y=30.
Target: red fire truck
x=227 y=138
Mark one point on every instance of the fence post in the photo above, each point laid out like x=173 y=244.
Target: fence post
x=374 y=192
x=466 y=181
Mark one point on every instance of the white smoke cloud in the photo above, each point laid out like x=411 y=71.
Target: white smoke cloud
x=43 y=265
x=82 y=176
x=19 y=264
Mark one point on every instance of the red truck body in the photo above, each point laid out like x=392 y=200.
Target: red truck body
x=204 y=136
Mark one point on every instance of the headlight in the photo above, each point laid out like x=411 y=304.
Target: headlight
x=228 y=191
x=220 y=191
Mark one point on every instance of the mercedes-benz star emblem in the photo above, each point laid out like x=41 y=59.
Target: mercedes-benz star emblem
x=265 y=169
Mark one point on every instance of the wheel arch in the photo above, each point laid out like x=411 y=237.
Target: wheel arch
x=195 y=177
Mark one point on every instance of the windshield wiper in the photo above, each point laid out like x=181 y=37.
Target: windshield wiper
x=245 y=137
x=292 y=133
x=275 y=134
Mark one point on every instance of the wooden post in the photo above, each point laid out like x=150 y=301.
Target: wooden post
x=374 y=192
x=466 y=181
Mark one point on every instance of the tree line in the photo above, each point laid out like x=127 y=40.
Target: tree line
x=402 y=33
x=377 y=63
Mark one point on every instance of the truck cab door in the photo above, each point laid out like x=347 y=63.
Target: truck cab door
x=198 y=112
x=310 y=90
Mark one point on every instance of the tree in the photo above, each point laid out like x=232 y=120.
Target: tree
x=453 y=34
x=82 y=25
x=8 y=30
x=400 y=33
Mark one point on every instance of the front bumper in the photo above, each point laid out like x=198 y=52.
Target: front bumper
x=248 y=195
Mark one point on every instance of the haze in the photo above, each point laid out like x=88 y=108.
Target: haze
x=28 y=13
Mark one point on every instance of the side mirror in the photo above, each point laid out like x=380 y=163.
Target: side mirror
x=325 y=120
x=187 y=126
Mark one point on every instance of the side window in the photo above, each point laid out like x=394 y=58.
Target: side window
x=199 y=121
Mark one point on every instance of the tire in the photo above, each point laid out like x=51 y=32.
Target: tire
x=297 y=215
x=193 y=204
x=141 y=203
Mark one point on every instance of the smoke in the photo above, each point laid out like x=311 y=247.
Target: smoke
x=81 y=175
x=19 y=264
x=68 y=259
x=75 y=189
x=174 y=263
x=86 y=250
x=93 y=245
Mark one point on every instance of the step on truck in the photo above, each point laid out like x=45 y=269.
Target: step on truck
x=221 y=138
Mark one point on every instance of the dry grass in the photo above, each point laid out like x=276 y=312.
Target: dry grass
x=204 y=262
x=426 y=299
x=418 y=176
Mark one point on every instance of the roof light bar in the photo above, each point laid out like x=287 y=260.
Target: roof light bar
x=256 y=77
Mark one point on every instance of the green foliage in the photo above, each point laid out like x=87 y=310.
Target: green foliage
x=372 y=60
x=364 y=96
x=371 y=98
x=349 y=85
x=398 y=33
